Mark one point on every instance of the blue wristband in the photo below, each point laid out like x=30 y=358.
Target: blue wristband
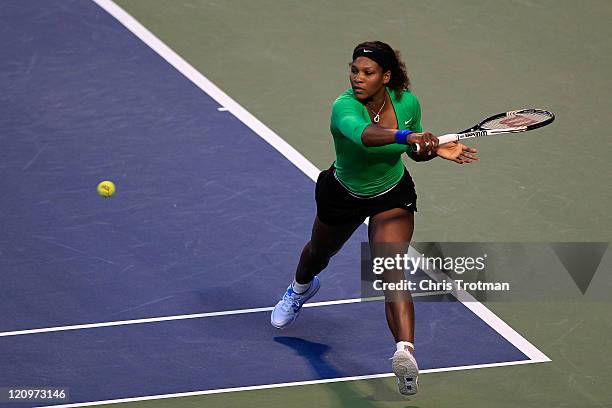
x=401 y=136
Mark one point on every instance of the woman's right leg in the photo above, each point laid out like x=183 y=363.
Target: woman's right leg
x=326 y=240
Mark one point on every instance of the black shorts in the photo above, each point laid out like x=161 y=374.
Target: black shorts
x=336 y=205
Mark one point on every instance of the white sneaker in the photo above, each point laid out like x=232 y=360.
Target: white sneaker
x=406 y=370
x=288 y=308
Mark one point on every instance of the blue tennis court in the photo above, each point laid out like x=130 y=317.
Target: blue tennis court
x=208 y=218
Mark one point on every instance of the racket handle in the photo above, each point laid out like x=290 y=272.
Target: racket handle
x=451 y=137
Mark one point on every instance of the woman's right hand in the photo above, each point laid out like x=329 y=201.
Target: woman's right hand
x=427 y=142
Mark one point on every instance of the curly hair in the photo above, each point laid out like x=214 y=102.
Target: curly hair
x=399 y=77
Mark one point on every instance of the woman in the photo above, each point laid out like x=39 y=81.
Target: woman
x=372 y=124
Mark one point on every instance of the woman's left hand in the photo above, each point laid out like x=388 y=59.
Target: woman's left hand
x=457 y=152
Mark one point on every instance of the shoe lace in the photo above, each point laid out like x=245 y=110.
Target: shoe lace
x=289 y=303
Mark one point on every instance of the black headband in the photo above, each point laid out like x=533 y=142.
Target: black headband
x=384 y=59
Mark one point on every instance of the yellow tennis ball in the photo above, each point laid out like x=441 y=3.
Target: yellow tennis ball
x=106 y=188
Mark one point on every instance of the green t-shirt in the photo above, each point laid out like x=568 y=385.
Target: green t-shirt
x=367 y=171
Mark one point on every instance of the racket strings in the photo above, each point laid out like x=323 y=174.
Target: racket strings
x=517 y=119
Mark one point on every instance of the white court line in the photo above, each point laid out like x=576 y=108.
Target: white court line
x=490 y=318
x=288 y=151
x=281 y=385
x=209 y=88
x=193 y=316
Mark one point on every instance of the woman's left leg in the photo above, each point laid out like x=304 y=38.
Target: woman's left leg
x=390 y=233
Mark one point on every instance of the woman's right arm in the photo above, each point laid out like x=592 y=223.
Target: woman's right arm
x=347 y=118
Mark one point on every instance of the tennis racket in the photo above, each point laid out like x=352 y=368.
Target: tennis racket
x=507 y=122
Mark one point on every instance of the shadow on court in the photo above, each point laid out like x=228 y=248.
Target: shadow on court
x=346 y=393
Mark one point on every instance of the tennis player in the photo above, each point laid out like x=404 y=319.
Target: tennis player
x=372 y=124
